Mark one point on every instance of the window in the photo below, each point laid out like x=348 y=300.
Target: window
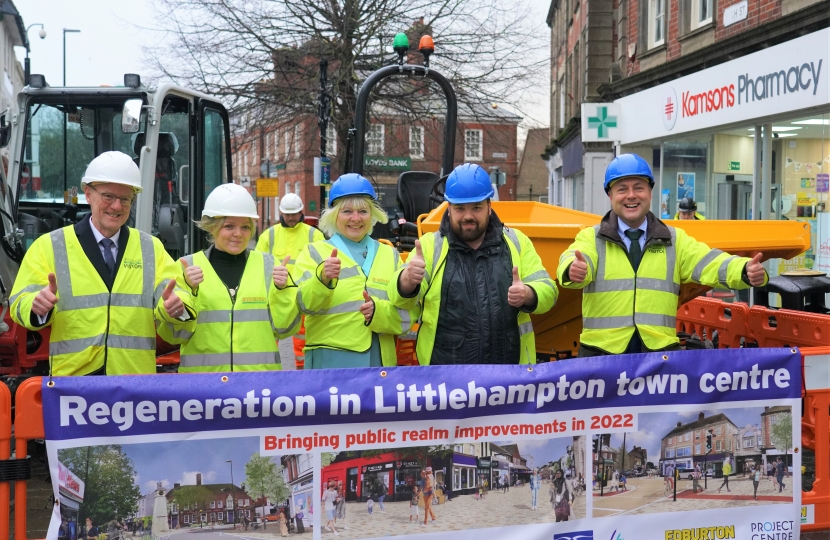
x=253 y=153
x=669 y=452
x=701 y=13
x=718 y=430
x=375 y=140
x=276 y=145
x=717 y=446
x=697 y=435
x=245 y=163
x=239 y=502
x=697 y=448
x=562 y=103
x=686 y=436
x=760 y=443
x=186 y=519
x=331 y=140
x=218 y=504
x=247 y=502
x=671 y=441
x=287 y=143
x=473 y=150
x=684 y=451
x=213 y=516
x=297 y=141
x=416 y=142
x=749 y=442
x=656 y=23
x=267 y=146
x=213 y=504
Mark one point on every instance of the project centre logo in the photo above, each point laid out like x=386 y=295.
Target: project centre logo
x=747 y=88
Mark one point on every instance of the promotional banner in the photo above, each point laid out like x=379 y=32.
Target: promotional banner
x=676 y=445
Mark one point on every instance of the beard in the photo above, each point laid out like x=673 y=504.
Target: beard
x=469 y=235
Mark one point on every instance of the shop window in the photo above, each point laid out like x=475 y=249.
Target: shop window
x=473 y=145
x=701 y=13
x=375 y=140
x=456 y=478
x=656 y=23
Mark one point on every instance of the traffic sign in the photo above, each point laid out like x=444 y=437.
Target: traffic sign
x=267 y=187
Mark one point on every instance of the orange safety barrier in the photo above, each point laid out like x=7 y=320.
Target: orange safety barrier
x=405 y=350
x=788 y=328
x=28 y=425
x=704 y=316
x=815 y=436
x=5 y=453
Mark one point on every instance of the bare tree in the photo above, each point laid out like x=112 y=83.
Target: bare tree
x=262 y=56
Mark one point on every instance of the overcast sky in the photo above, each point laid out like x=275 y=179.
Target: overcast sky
x=111 y=38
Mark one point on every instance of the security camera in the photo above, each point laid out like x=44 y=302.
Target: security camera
x=42 y=33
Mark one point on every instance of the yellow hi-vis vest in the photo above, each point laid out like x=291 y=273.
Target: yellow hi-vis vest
x=91 y=326
x=332 y=315
x=280 y=241
x=236 y=332
x=435 y=249
x=615 y=300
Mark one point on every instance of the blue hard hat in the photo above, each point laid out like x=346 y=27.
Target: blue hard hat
x=351 y=184
x=468 y=183
x=626 y=165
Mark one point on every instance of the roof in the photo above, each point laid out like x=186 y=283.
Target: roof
x=8 y=8
x=697 y=424
x=215 y=488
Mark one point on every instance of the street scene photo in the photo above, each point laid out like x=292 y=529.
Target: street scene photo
x=696 y=461
x=399 y=491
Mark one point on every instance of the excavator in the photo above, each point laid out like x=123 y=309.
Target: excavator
x=179 y=138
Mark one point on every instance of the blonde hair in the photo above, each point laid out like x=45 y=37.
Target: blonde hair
x=328 y=220
x=211 y=226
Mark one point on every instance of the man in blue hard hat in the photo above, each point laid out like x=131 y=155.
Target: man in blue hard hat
x=477 y=280
x=630 y=268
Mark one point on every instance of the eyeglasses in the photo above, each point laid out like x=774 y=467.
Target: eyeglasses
x=110 y=198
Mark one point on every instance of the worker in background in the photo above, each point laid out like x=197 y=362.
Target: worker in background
x=288 y=238
x=687 y=209
x=342 y=284
x=477 y=280
x=99 y=284
x=244 y=299
x=630 y=268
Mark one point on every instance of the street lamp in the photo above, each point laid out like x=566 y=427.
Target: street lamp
x=233 y=501
x=27 y=67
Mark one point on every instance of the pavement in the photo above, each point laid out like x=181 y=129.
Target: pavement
x=496 y=509
x=645 y=496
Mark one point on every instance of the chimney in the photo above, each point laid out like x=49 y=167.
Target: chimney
x=700 y=416
x=679 y=424
x=176 y=486
x=198 y=479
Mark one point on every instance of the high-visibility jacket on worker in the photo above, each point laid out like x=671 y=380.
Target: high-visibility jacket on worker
x=435 y=248
x=332 y=314
x=94 y=328
x=698 y=216
x=615 y=300
x=236 y=331
x=280 y=241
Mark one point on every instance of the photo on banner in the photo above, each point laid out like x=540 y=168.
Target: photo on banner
x=443 y=451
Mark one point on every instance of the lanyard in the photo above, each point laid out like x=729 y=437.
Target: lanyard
x=372 y=249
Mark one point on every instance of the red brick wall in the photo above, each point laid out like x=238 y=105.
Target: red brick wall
x=758 y=12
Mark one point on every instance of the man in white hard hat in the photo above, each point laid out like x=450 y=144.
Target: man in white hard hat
x=99 y=284
x=288 y=238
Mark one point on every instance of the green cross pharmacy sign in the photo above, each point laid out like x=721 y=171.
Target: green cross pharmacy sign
x=600 y=122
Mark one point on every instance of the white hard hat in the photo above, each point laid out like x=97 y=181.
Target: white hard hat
x=291 y=203
x=113 y=168
x=230 y=200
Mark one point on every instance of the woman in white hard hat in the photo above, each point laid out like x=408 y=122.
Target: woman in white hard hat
x=244 y=298
x=342 y=284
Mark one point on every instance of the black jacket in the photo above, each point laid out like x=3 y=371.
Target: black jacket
x=476 y=325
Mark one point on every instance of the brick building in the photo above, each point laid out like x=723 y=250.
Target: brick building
x=225 y=499
x=532 y=182
x=706 y=92
x=685 y=445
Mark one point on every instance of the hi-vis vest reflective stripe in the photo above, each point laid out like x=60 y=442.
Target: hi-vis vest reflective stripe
x=284 y=241
x=93 y=327
x=546 y=293
x=341 y=325
x=617 y=300
x=232 y=335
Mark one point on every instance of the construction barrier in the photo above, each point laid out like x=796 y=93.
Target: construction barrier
x=5 y=454
x=705 y=316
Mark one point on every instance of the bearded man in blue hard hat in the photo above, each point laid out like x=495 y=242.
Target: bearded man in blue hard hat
x=630 y=268
x=477 y=281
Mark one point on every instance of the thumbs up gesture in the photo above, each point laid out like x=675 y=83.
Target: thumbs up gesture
x=415 y=270
x=280 y=274
x=173 y=305
x=755 y=271
x=192 y=275
x=368 y=308
x=517 y=293
x=579 y=268
x=46 y=298
x=331 y=267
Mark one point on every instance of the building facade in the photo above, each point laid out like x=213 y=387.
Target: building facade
x=298 y=473
x=684 y=447
x=226 y=503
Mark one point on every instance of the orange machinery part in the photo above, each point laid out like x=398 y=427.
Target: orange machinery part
x=815 y=427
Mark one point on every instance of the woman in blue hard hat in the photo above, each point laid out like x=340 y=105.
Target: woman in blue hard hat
x=342 y=284
x=243 y=298
x=630 y=268
x=477 y=279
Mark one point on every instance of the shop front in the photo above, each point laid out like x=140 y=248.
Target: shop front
x=485 y=476
x=370 y=477
x=301 y=502
x=71 y=495
x=464 y=477
x=746 y=139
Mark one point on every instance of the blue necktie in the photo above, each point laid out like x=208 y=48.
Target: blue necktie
x=108 y=259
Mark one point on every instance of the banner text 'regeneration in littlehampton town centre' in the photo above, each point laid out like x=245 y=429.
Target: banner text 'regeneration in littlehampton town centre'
x=77 y=410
